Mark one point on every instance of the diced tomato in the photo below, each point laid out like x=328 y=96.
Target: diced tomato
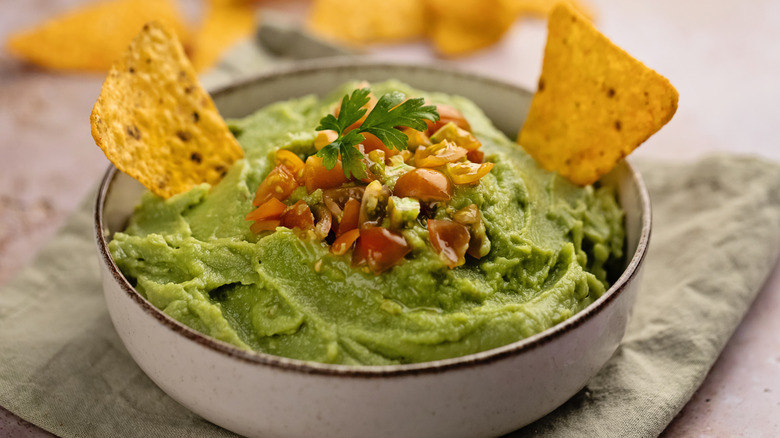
x=267 y=225
x=380 y=249
x=336 y=199
x=291 y=162
x=471 y=217
x=271 y=209
x=325 y=138
x=372 y=142
x=349 y=219
x=278 y=184
x=324 y=221
x=298 y=216
x=450 y=240
x=438 y=154
x=467 y=172
x=447 y=114
x=424 y=184
x=316 y=176
x=343 y=243
x=476 y=156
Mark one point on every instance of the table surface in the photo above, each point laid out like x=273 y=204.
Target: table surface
x=723 y=58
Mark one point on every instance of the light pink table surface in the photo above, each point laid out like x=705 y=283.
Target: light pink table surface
x=723 y=56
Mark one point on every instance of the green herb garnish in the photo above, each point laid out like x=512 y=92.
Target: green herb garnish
x=390 y=112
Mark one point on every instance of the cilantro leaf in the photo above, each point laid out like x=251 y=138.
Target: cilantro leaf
x=391 y=112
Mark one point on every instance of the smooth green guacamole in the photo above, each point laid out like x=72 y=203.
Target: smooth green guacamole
x=554 y=249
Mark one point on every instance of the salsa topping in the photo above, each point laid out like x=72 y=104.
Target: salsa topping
x=380 y=173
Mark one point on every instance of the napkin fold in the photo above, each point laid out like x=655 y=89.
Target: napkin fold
x=716 y=235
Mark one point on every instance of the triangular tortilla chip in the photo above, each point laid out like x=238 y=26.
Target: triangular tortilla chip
x=155 y=122
x=595 y=103
x=90 y=38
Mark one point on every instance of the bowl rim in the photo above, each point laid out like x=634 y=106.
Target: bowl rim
x=369 y=371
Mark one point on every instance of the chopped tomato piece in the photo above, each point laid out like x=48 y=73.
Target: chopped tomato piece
x=476 y=156
x=278 y=184
x=349 y=219
x=471 y=217
x=267 y=225
x=343 y=243
x=438 y=154
x=467 y=172
x=450 y=240
x=447 y=114
x=372 y=142
x=316 y=176
x=324 y=221
x=271 y=209
x=424 y=184
x=298 y=216
x=336 y=199
x=380 y=249
x=290 y=161
x=325 y=138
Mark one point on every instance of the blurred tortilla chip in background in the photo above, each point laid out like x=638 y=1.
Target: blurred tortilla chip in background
x=455 y=27
x=358 y=22
x=595 y=103
x=463 y=26
x=91 y=37
x=543 y=8
x=225 y=22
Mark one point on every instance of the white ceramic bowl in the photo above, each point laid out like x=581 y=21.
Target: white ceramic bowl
x=483 y=394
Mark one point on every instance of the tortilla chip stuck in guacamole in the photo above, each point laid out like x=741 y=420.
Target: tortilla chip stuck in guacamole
x=156 y=123
x=595 y=103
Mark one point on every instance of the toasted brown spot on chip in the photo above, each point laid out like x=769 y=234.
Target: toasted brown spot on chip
x=134 y=132
x=196 y=157
x=152 y=101
x=131 y=70
x=183 y=135
x=577 y=113
x=540 y=87
x=195 y=116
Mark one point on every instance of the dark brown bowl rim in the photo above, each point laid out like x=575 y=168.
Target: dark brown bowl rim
x=309 y=367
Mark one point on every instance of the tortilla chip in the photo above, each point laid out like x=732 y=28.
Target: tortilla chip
x=225 y=23
x=155 y=122
x=463 y=26
x=595 y=103
x=91 y=37
x=543 y=8
x=360 y=22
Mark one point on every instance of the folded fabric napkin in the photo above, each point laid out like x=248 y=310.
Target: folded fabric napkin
x=716 y=236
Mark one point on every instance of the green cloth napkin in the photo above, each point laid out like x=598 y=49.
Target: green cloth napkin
x=715 y=239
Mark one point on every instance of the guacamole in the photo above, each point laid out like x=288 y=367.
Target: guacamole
x=553 y=249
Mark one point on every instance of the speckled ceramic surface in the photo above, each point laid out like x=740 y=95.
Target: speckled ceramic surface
x=483 y=394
